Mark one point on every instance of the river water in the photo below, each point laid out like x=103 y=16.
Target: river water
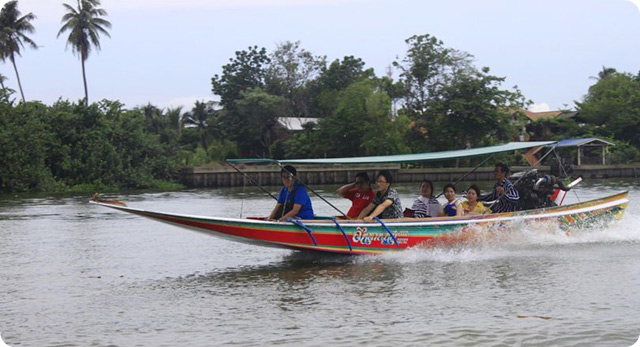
x=76 y=274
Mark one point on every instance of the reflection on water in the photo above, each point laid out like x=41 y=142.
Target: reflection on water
x=75 y=274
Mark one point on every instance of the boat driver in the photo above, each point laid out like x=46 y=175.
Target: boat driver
x=504 y=194
x=293 y=200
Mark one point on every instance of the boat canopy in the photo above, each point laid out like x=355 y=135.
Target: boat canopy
x=405 y=158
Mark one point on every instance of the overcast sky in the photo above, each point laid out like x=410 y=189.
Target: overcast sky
x=165 y=52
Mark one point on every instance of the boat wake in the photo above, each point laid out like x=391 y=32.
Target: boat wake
x=517 y=239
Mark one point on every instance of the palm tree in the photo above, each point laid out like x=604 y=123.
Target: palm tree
x=174 y=115
x=4 y=92
x=604 y=73
x=13 y=30
x=85 y=26
x=2 y=79
x=206 y=119
x=153 y=118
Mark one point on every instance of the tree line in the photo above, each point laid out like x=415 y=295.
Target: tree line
x=439 y=101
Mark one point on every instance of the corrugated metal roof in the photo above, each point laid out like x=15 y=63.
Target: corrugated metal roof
x=296 y=123
x=535 y=116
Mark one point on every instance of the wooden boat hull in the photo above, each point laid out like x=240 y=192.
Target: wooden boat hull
x=357 y=237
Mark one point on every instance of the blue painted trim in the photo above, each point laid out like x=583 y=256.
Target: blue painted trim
x=299 y=223
x=343 y=233
x=387 y=229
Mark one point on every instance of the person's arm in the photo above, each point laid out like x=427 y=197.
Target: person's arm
x=378 y=210
x=365 y=211
x=459 y=209
x=419 y=209
x=272 y=216
x=279 y=204
x=294 y=211
x=488 y=197
x=512 y=195
x=342 y=191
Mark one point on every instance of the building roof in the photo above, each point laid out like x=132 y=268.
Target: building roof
x=295 y=123
x=534 y=116
x=591 y=141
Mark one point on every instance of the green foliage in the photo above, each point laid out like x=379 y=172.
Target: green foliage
x=24 y=139
x=361 y=125
x=245 y=72
x=559 y=129
x=427 y=67
x=104 y=143
x=472 y=111
x=341 y=74
x=255 y=118
x=301 y=144
x=206 y=120
x=613 y=107
x=292 y=74
x=336 y=78
x=74 y=145
x=623 y=153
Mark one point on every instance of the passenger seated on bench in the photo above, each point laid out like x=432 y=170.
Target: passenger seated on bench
x=472 y=205
x=386 y=204
x=426 y=205
x=452 y=207
x=359 y=192
x=293 y=200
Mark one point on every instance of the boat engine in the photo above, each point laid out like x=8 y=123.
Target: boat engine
x=536 y=190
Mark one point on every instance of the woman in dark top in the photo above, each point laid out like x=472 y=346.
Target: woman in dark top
x=386 y=204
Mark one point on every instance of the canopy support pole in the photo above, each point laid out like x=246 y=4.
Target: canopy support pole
x=252 y=181
x=565 y=171
x=468 y=173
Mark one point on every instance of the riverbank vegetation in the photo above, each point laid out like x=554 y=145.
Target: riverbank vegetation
x=432 y=98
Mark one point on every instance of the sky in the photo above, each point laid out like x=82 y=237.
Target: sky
x=165 y=52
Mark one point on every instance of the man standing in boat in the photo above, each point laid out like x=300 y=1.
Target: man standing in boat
x=293 y=200
x=359 y=192
x=504 y=194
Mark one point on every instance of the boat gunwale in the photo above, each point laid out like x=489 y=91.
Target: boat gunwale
x=555 y=211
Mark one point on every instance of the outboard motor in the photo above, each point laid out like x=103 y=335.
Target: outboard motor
x=536 y=190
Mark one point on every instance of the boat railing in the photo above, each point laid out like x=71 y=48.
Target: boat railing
x=343 y=233
x=387 y=229
x=300 y=224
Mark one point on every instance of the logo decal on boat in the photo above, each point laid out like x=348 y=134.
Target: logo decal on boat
x=363 y=236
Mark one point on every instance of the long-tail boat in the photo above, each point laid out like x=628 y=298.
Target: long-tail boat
x=329 y=234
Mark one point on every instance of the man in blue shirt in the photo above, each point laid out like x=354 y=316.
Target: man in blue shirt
x=293 y=200
x=504 y=193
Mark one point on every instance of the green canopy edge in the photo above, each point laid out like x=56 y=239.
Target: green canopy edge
x=404 y=158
